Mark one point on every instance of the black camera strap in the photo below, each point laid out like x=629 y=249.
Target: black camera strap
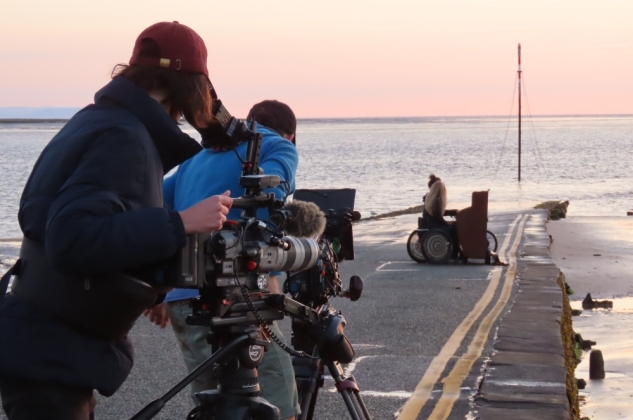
x=106 y=305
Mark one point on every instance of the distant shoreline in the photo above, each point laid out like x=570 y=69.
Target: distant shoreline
x=32 y=120
x=364 y=119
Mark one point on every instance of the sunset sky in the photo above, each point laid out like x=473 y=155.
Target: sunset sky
x=339 y=58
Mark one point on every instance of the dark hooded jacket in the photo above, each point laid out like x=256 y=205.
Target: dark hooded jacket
x=94 y=201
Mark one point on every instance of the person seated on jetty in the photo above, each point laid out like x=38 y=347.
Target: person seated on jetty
x=434 y=201
x=434 y=210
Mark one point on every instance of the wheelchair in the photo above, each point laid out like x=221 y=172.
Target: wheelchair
x=435 y=244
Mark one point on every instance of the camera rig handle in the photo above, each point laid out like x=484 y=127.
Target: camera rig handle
x=251 y=163
x=257 y=201
x=293 y=308
x=356 y=286
x=271 y=307
x=252 y=179
x=237 y=132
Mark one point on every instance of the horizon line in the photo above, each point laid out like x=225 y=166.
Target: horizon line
x=53 y=119
x=50 y=120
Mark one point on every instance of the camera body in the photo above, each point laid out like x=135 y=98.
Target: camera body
x=232 y=266
x=242 y=253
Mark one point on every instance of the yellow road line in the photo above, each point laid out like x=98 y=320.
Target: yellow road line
x=424 y=388
x=453 y=382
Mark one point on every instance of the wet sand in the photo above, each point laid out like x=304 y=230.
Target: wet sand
x=596 y=256
x=595 y=253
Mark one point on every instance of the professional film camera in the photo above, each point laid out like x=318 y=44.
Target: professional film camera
x=231 y=269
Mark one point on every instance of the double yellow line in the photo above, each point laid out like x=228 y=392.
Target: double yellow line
x=454 y=380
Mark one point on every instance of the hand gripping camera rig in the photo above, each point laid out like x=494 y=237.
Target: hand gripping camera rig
x=231 y=269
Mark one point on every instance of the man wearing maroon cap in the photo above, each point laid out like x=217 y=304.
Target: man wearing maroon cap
x=96 y=233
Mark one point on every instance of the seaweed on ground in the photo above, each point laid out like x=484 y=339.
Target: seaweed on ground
x=555 y=209
x=410 y=210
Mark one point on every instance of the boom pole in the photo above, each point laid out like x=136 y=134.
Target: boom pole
x=519 y=77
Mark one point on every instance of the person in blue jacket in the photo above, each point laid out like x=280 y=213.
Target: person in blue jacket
x=96 y=230
x=213 y=171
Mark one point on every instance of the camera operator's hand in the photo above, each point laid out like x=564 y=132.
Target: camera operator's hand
x=158 y=315
x=207 y=215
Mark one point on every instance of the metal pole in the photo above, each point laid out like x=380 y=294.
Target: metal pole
x=519 y=73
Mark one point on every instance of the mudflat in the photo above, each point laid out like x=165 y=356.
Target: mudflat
x=596 y=256
x=595 y=253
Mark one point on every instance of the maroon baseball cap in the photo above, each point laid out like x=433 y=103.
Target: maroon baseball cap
x=180 y=48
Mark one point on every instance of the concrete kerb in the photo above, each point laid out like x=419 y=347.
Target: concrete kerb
x=530 y=374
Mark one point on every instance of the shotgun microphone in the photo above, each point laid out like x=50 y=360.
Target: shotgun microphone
x=303 y=219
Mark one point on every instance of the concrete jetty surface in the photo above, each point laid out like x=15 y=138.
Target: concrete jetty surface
x=432 y=341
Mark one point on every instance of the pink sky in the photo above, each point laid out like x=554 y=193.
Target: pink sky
x=340 y=58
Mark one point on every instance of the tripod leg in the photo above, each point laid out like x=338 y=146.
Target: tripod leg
x=153 y=408
x=348 y=388
x=361 y=404
x=355 y=404
x=313 y=400
x=309 y=378
x=307 y=399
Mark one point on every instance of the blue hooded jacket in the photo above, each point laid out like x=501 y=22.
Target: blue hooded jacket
x=211 y=172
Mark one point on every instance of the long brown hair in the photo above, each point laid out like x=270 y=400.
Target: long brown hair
x=187 y=94
x=436 y=192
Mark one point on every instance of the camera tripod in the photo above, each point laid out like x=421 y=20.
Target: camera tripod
x=309 y=372
x=241 y=349
x=239 y=356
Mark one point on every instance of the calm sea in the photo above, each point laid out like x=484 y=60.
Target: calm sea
x=584 y=159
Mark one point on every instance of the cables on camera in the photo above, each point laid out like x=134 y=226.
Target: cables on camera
x=265 y=326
